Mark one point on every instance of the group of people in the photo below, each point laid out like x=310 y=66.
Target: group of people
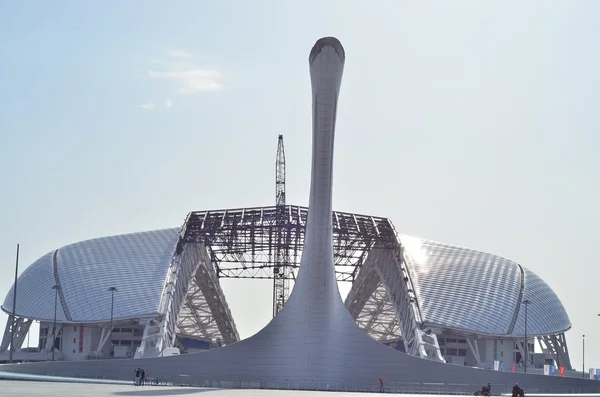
x=487 y=391
x=140 y=376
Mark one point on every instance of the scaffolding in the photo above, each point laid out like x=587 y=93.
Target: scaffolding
x=242 y=243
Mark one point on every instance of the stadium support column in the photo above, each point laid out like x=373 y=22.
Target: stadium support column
x=21 y=330
x=14 y=310
x=281 y=268
x=474 y=346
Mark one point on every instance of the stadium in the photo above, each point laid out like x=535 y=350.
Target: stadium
x=429 y=299
x=418 y=311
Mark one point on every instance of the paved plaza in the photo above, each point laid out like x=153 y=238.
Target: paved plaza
x=14 y=388
x=17 y=388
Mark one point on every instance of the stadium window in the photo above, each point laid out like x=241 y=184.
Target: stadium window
x=73 y=350
x=462 y=352
x=74 y=328
x=450 y=340
x=462 y=341
x=441 y=341
x=451 y=352
x=74 y=340
x=501 y=353
x=442 y=351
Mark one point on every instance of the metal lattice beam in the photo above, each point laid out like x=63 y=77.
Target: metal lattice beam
x=205 y=312
x=195 y=318
x=241 y=241
x=382 y=298
x=378 y=317
x=282 y=269
x=21 y=327
x=557 y=347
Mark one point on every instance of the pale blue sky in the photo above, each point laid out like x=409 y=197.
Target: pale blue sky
x=467 y=122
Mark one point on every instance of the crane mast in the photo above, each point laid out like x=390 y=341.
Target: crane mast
x=281 y=268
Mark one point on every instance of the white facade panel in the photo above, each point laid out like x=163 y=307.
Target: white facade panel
x=543 y=301
x=135 y=263
x=473 y=291
x=462 y=289
x=71 y=337
x=35 y=296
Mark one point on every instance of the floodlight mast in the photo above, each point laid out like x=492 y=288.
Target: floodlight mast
x=13 y=317
x=281 y=267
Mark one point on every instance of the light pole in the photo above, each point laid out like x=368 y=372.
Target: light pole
x=526 y=302
x=14 y=312
x=583 y=363
x=55 y=288
x=112 y=291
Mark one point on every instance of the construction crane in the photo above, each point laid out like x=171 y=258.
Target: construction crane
x=281 y=268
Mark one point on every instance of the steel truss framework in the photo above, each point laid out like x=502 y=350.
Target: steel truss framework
x=21 y=327
x=281 y=282
x=378 y=317
x=251 y=242
x=241 y=242
x=556 y=346
x=384 y=270
x=160 y=333
x=193 y=304
x=205 y=312
x=265 y=243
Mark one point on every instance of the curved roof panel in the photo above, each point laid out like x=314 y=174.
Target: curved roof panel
x=136 y=264
x=545 y=313
x=35 y=296
x=472 y=291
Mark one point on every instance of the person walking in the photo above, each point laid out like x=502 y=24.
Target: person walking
x=137 y=376
x=142 y=376
x=381 y=386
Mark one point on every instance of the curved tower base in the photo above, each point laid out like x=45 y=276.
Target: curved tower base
x=313 y=343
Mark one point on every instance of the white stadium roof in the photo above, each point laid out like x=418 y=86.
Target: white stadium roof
x=456 y=288
x=471 y=291
x=135 y=263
